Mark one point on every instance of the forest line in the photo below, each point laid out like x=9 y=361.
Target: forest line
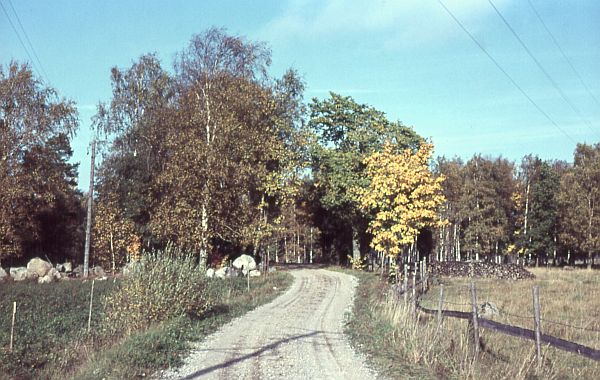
x=216 y=157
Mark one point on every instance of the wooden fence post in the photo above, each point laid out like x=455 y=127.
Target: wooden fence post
x=91 y=302
x=475 y=320
x=12 y=327
x=424 y=274
x=537 y=324
x=405 y=285
x=414 y=292
x=440 y=306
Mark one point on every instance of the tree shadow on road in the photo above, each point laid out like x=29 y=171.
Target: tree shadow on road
x=256 y=353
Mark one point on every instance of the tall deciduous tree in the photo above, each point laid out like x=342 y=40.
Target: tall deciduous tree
x=113 y=233
x=33 y=121
x=543 y=218
x=579 y=198
x=346 y=133
x=403 y=197
x=487 y=207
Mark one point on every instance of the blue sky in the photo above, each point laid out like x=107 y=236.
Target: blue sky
x=407 y=58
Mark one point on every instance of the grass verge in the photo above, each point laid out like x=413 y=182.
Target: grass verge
x=51 y=339
x=165 y=344
x=403 y=347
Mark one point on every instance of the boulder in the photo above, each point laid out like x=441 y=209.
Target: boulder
x=78 y=270
x=254 y=273
x=51 y=276
x=245 y=263
x=98 y=271
x=3 y=274
x=68 y=267
x=38 y=266
x=60 y=267
x=210 y=273
x=221 y=272
x=19 y=274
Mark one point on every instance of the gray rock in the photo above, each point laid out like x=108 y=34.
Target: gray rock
x=245 y=263
x=98 y=271
x=78 y=270
x=51 y=276
x=272 y=270
x=38 y=266
x=3 y=274
x=68 y=267
x=60 y=267
x=221 y=272
x=19 y=274
x=254 y=273
x=210 y=273
x=45 y=280
x=488 y=309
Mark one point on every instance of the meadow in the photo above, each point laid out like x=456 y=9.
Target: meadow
x=404 y=347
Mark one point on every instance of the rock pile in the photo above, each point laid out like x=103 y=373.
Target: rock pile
x=480 y=270
x=44 y=273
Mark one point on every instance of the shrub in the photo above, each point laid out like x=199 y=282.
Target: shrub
x=159 y=287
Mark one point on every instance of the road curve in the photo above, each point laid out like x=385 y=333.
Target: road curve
x=299 y=335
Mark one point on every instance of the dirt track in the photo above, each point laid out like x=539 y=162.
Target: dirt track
x=299 y=335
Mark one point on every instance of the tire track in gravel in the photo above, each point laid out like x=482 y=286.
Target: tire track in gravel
x=299 y=335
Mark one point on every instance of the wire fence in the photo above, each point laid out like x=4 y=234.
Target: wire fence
x=421 y=287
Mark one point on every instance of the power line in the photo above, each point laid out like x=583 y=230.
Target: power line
x=20 y=39
x=505 y=72
x=539 y=17
x=542 y=69
x=28 y=40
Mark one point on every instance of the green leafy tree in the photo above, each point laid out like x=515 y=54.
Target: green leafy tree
x=543 y=216
x=487 y=206
x=346 y=133
x=448 y=234
x=579 y=197
x=33 y=122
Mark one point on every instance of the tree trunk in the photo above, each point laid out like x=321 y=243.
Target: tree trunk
x=203 y=254
x=311 y=245
x=355 y=245
x=112 y=252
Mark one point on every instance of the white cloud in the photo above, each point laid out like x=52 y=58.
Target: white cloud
x=403 y=21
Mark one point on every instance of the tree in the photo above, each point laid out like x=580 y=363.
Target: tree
x=486 y=206
x=579 y=197
x=138 y=118
x=113 y=233
x=448 y=236
x=33 y=121
x=346 y=133
x=403 y=196
x=544 y=213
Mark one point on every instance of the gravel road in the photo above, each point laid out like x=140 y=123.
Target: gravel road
x=299 y=335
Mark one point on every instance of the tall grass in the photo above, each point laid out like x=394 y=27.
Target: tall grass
x=405 y=347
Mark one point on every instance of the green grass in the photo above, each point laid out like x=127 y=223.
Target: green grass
x=165 y=345
x=50 y=325
x=51 y=340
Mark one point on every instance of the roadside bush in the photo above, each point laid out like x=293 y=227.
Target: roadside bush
x=158 y=288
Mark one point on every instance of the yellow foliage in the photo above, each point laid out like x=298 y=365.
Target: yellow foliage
x=358 y=263
x=114 y=235
x=403 y=197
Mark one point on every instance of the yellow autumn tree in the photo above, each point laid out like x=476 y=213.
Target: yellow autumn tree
x=403 y=197
x=114 y=235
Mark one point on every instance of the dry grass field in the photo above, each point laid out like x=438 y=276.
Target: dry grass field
x=415 y=349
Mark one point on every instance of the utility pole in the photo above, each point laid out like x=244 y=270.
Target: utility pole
x=88 y=229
